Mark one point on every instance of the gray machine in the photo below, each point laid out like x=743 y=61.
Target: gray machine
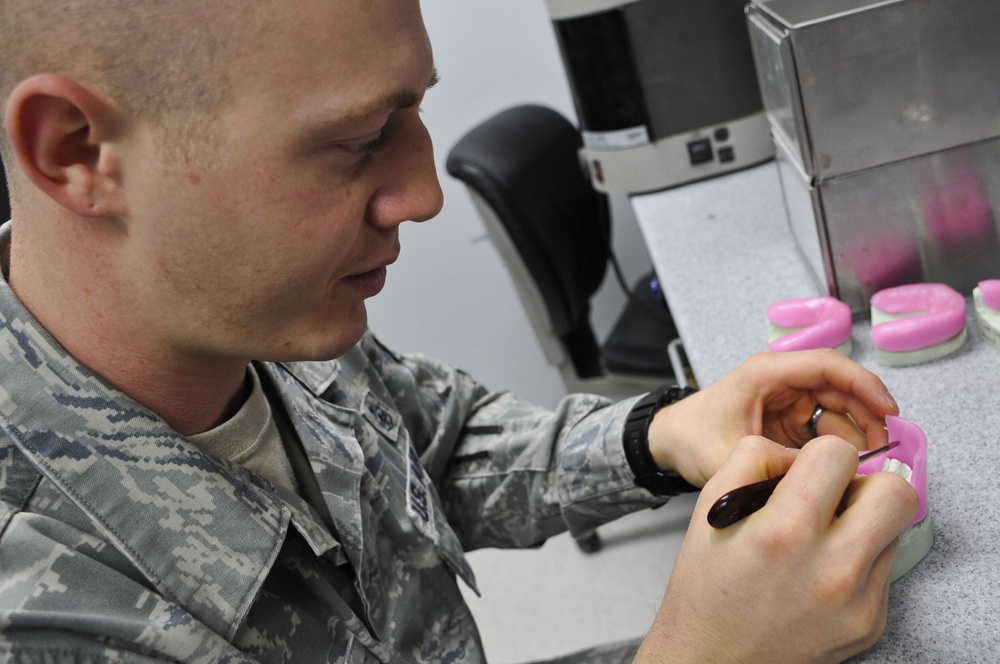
x=885 y=115
x=665 y=90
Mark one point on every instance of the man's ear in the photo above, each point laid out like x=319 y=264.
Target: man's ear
x=63 y=134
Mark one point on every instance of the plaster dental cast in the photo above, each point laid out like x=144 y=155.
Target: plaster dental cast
x=986 y=300
x=917 y=323
x=807 y=323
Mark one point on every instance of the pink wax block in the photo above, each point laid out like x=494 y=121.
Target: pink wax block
x=990 y=290
x=818 y=322
x=934 y=313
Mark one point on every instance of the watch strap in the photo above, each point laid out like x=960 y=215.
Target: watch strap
x=635 y=439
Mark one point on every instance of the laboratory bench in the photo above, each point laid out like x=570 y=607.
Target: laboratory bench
x=724 y=253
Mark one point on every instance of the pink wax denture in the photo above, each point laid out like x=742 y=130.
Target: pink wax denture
x=807 y=323
x=986 y=301
x=911 y=453
x=917 y=323
x=909 y=459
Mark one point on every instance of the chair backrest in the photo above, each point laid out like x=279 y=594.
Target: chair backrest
x=523 y=169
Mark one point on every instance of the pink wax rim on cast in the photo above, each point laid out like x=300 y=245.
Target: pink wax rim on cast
x=935 y=313
x=990 y=290
x=912 y=450
x=825 y=322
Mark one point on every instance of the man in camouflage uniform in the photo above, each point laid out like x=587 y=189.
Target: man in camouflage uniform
x=171 y=551
x=204 y=454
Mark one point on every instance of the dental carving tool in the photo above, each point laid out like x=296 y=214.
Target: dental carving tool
x=745 y=500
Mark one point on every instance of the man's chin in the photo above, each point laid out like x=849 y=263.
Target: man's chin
x=323 y=345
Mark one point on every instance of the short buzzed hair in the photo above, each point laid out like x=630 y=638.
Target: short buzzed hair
x=165 y=61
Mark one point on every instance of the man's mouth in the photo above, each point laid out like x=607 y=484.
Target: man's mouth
x=369 y=283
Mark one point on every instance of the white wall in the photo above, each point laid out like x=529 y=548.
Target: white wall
x=449 y=295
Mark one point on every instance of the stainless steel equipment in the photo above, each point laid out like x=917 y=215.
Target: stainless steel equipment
x=665 y=90
x=886 y=120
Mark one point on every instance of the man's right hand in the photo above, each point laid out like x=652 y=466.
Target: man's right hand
x=805 y=579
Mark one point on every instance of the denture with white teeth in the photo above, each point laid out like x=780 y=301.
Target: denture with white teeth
x=909 y=460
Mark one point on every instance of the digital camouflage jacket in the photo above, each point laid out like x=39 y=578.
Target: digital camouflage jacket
x=122 y=541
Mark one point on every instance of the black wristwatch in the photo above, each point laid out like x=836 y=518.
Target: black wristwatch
x=647 y=474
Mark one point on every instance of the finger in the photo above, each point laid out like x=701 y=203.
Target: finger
x=754 y=458
x=813 y=490
x=870 y=422
x=842 y=425
x=837 y=420
x=873 y=578
x=879 y=507
x=876 y=434
x=867 y=392
x=841 y=384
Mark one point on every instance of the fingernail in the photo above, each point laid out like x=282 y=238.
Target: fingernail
x=893 y=406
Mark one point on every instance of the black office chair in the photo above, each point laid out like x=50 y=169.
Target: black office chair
x=552 y=230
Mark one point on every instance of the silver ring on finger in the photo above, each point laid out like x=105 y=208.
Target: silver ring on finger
x=814 y=420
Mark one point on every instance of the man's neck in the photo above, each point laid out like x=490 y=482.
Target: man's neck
x=189 y=401
x=190 y=394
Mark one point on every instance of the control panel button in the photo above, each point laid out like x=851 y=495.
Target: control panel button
x=700 y=151
x=726 y=154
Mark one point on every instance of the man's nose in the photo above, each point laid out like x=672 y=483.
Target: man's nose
x=412 y=191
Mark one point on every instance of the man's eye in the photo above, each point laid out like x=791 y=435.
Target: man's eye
x=368 y=148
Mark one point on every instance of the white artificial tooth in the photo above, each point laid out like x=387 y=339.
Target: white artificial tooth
x=898 y=467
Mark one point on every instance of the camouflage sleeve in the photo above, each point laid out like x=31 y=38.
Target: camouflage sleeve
x=510 y=473
x=520 y=474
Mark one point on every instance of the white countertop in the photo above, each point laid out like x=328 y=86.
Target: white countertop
x=723 y=252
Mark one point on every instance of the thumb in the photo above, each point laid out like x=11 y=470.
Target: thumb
x=753 y=459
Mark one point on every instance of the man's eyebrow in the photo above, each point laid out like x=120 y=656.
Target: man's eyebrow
x=398 y=100
x=320 y=129
x=407 y=99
